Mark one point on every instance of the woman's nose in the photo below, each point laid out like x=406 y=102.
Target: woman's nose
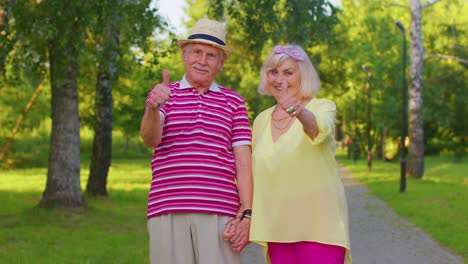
x=278 y=80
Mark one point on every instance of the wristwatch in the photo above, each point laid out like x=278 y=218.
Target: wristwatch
x=247 y=213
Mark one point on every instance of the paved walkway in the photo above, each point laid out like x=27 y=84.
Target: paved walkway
x=378 y=235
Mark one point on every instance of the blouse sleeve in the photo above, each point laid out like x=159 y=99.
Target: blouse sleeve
x=325 y=113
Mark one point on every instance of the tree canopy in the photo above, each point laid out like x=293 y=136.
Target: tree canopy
x=340 y=40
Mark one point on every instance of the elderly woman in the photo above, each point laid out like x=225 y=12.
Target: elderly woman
x=299 y=211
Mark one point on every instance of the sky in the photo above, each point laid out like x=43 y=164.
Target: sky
x=173 y=11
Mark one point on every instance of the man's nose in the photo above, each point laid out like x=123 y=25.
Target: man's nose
x=203 y=59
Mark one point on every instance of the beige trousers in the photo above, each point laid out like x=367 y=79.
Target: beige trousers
x=190 y=238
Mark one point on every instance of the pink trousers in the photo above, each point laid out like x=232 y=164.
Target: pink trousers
x=305 y=253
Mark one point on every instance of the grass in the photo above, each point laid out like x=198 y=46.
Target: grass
x=113 y=229
x=109 y=230
x=437 y=203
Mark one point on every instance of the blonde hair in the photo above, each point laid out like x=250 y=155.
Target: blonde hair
x=310 y=82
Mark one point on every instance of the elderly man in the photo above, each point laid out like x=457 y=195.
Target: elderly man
x=201 y=166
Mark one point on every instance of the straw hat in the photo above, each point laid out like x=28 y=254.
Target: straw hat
x=208 y=32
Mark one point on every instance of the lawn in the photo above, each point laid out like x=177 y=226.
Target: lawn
x=113 y=229
x=109 y=230
x=437 y=202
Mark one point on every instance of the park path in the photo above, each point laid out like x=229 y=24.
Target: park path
x=377 y=234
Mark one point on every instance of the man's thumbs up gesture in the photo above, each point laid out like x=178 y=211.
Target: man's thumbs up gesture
x=160 y=92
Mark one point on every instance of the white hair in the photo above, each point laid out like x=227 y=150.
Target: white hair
x=310 y=82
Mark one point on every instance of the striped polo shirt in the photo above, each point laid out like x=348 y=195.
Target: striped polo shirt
x=193 y=168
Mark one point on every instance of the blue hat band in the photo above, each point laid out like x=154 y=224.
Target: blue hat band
x=207 y=37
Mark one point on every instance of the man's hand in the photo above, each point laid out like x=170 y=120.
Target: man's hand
x=160 y=93
x=237 y=233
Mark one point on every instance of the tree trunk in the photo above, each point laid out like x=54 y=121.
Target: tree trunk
x=416 y=130
x=102 y=144
x=63 y=177
x=125 y=144
x=383 y=143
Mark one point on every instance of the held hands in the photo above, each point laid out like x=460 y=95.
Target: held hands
x=160 y=93
x=236 y=232
x=286 y=101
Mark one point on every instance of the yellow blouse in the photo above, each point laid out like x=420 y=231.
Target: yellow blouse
x=298 y=194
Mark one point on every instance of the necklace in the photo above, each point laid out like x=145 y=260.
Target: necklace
x=279 y=115
x=278 y=122
x=279 y=119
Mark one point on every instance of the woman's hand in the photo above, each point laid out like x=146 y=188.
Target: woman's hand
x=236 y=232
x=229 y=229
x=286 y=101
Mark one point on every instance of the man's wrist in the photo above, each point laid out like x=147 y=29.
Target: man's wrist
x=246 y=213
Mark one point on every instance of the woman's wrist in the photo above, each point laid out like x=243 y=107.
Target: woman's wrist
x=300 y=111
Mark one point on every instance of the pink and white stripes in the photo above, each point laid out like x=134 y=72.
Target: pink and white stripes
x=193 y=167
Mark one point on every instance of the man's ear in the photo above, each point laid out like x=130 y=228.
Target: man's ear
x=182 y=53
x=221 y=62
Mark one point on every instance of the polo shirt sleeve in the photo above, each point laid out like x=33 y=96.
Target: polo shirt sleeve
x=241 y=132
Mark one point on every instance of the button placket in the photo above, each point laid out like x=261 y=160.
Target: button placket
x=200 y=98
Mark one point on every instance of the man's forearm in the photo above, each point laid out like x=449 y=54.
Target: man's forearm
x=151 y=128
x=244 y=176
x=245 y=185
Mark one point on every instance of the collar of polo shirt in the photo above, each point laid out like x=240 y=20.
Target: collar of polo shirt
x=185 y=85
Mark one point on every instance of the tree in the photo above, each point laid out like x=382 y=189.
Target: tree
x=445 y=78
x=415 y=104
x=50 y=31
x=21 y=80
x=415 y=122
x=133 y=22
x=63 y=177
x=102 y=144
x=365 y=36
